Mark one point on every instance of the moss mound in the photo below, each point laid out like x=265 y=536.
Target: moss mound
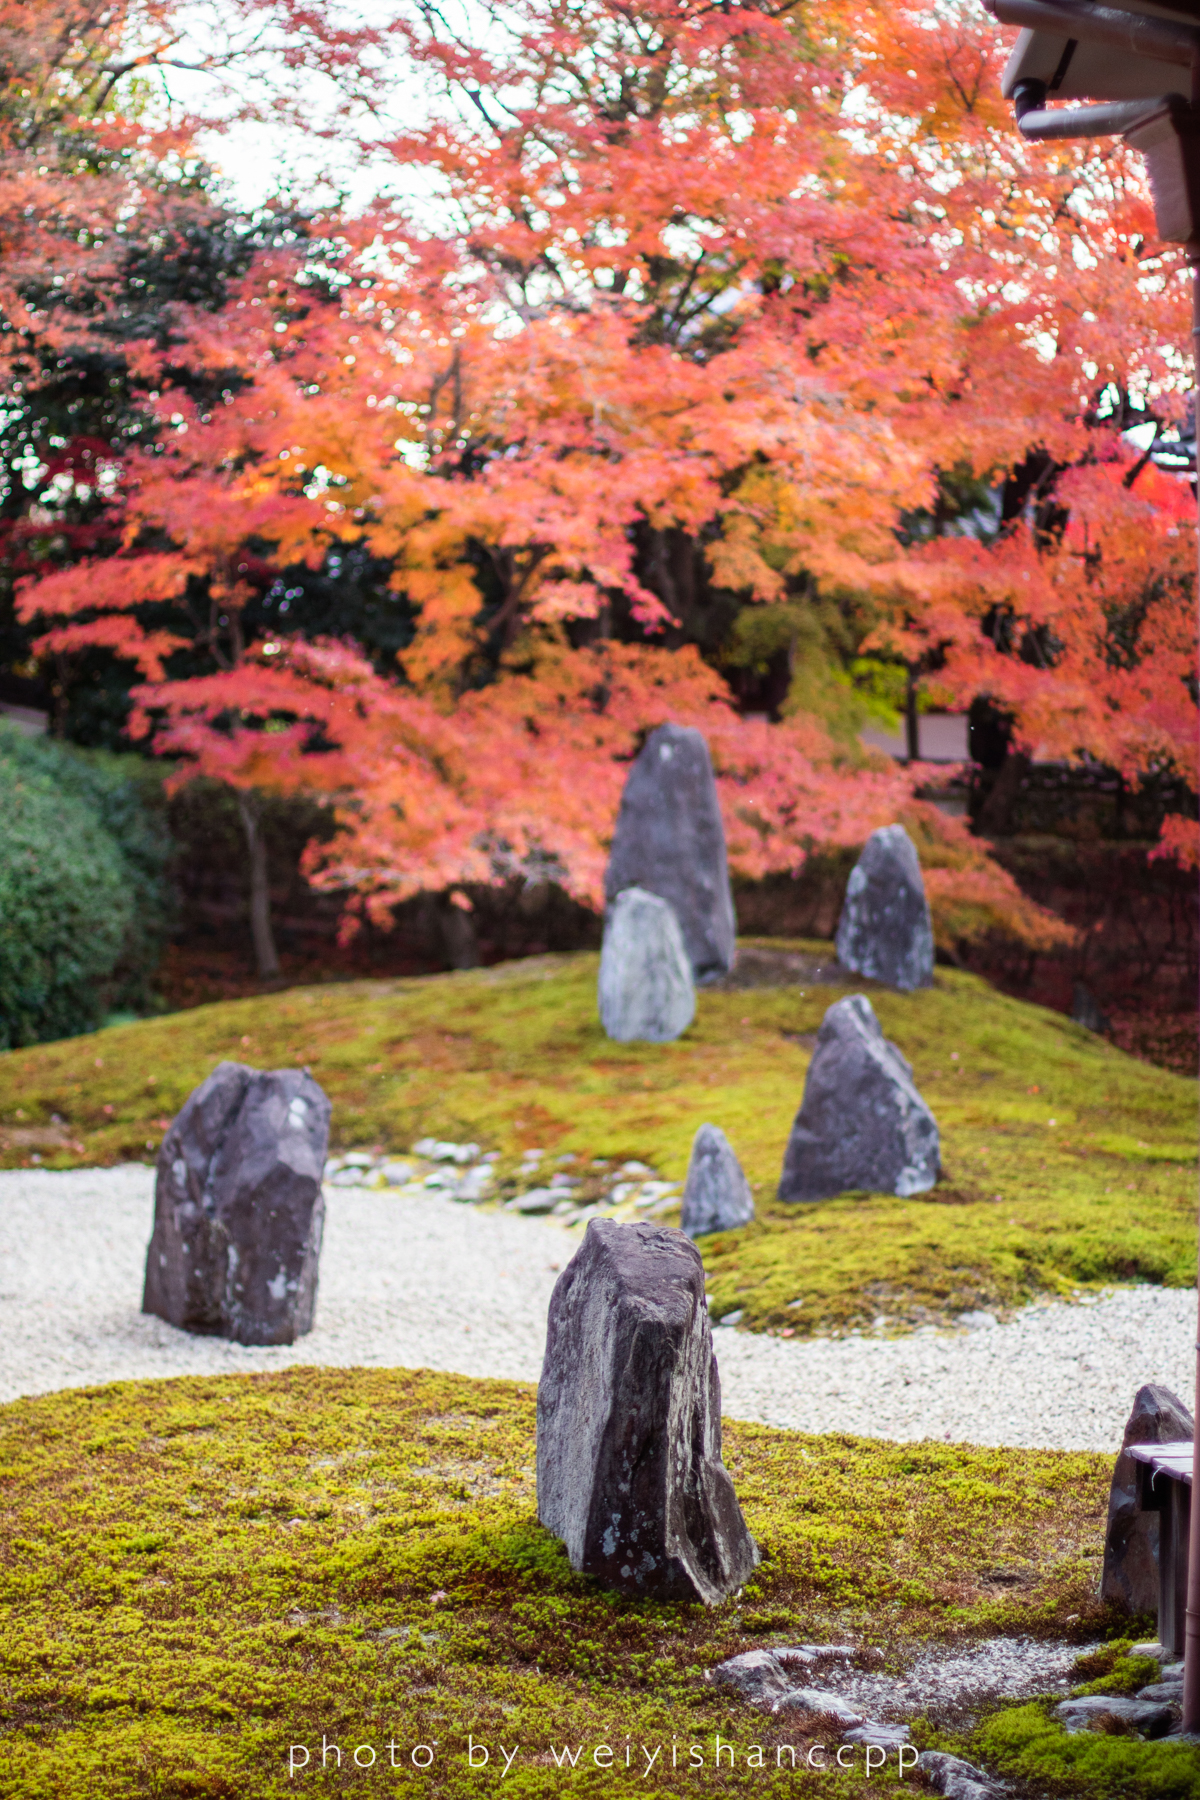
x=198 y=1574
x=1068 y=1163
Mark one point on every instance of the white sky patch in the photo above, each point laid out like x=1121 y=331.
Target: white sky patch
x=320 y=160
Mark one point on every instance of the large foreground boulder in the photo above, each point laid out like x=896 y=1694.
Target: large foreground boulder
x=1129 y=1578
x=629 y=1470
x=885 y=930
x=862 y=1123
x=669 y=839
x=716 y=1194
x=646 y=990
x=238 y=1211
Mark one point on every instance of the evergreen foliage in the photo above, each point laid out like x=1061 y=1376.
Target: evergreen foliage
x=65 y=909
x=84 y=902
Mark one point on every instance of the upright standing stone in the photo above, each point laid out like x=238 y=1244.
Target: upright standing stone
x=669 y=839
x=1130 y=1575
x=238 y=1210
x=629 y=1470
x=646 y=990
x=862 y=1123
x=716 y=1194
x=885 y=931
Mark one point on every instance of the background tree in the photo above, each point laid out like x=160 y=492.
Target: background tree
x=724 y=303
x=114 y=235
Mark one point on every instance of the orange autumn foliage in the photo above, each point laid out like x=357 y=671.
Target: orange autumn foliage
x=751 y=276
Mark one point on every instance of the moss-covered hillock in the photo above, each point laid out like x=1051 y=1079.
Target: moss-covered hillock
x=1067 y=1163
x=197 y=1574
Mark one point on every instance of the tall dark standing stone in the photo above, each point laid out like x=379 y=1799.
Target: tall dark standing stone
x=1130 y=1575
x=629 y=1470
x=238 y=1210
x=669 y=839
x=862 y=1123
x=885 y=930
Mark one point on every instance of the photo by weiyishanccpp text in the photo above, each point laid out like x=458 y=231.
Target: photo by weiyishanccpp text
x=496 y=1761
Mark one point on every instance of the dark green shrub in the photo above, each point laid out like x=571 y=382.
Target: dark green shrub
x=66 y=909
x=124 y=796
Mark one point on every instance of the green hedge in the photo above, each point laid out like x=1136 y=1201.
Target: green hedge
x=84 y=909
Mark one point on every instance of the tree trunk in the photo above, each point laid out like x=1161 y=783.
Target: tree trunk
x=911 y=717
x=265 y=955
x=458 y=935
x=995 y=818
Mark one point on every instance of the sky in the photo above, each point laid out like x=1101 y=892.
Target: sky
x=258 y=160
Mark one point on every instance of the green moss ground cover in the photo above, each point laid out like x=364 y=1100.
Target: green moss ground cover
x=1068 y=1163
x=197 y=1574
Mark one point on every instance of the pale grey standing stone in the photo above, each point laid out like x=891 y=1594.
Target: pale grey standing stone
x=646 y=989
x=238 y=1210
x=669 y=839
x=1130 y=1574
x=629 y=1470
x=862 y=1123
x=716 y=1195
x=885 y=930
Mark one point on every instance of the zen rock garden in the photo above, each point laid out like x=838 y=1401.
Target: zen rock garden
x=630 y=1474
x=599 y=901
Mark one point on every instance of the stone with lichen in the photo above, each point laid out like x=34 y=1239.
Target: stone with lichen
x=885 y=930
x=670 y=840
x=862 y=1125
x=629 y=1469
x=238 y=1210
x=716 y=1194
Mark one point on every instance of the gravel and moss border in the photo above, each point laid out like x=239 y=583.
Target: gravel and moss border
x=1067 y=1164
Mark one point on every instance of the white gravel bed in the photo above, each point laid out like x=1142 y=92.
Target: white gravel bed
x=1059 y=1376
x=427 y=1282
x=404 y=1283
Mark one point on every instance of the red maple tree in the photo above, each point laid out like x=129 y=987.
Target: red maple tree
x=712 y=280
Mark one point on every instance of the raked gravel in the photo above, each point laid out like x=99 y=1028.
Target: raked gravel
x=409 y=1282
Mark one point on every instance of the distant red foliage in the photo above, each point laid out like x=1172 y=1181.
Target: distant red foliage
x=710 y=273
